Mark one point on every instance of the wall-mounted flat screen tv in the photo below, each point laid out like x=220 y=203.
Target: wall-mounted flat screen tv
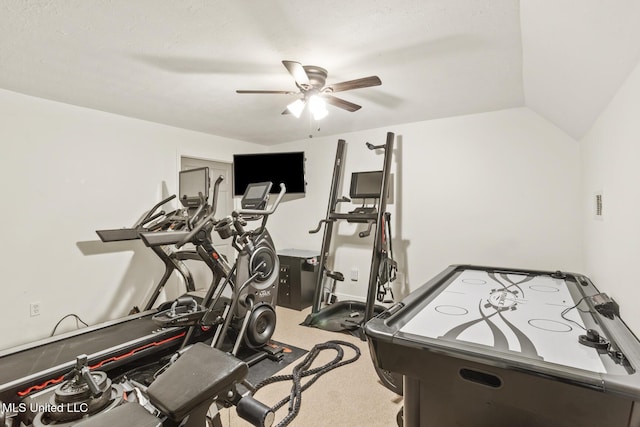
x=275 y=167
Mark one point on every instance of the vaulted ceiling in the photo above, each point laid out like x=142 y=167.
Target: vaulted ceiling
x=179 y=62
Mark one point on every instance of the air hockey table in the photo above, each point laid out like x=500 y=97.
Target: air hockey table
x=484 y=346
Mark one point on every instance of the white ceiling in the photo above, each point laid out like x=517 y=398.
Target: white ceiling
x=577 y=53
x=179 y=62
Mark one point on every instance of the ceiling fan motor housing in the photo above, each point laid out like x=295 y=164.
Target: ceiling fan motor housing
x=317 y=76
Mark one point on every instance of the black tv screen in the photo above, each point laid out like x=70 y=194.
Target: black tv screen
x=275 y=167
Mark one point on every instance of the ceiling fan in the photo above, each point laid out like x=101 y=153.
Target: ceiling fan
x=311 y=81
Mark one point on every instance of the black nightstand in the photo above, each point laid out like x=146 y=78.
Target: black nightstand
x=298 y=276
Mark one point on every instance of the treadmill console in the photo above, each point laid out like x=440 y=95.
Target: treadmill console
x=256 y=195
x=193 y=187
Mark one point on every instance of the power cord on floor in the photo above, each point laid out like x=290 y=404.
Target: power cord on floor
x=303 y=370
x=78 y=319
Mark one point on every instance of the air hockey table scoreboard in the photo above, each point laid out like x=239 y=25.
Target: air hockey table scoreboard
x=484 y=346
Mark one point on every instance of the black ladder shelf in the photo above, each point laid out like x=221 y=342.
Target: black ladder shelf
x=351 y=315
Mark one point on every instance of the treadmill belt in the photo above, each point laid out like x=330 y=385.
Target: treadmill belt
x=39 y=358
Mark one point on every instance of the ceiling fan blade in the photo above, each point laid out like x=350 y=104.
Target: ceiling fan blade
x=284 y=92
x=298 y=73
x=355 y=84
x=341 y=103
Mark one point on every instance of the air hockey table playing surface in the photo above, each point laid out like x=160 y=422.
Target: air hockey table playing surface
x=503 y=347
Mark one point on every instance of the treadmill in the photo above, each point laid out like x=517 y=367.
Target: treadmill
x=122 y=343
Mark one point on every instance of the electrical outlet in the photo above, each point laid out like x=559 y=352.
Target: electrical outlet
x=354 y=274
x=34 y=309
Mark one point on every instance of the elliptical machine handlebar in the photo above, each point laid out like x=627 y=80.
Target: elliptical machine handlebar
x=223 y=227
x=206 y=220
x=198 y=211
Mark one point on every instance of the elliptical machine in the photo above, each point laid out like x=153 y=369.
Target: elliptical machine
x=248 y=316
x=257 y=267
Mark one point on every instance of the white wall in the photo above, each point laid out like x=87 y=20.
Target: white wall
x=66 y=171
x=611 y=164
x=498 y=188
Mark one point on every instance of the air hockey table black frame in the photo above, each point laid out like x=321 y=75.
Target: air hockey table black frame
x=453 y=383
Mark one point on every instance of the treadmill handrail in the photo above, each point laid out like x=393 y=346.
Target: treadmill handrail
x=208 y=218
x=153 y=209
x=125 y=233
x=162 y=238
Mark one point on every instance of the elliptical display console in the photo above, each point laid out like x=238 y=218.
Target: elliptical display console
x=256 y=195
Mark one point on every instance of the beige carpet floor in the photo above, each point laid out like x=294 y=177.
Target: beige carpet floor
x=350 y=395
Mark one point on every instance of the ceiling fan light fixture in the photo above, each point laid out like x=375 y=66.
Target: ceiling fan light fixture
x=311 y=82
x=296 y=107
x=318 y=107
x=321 y=114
